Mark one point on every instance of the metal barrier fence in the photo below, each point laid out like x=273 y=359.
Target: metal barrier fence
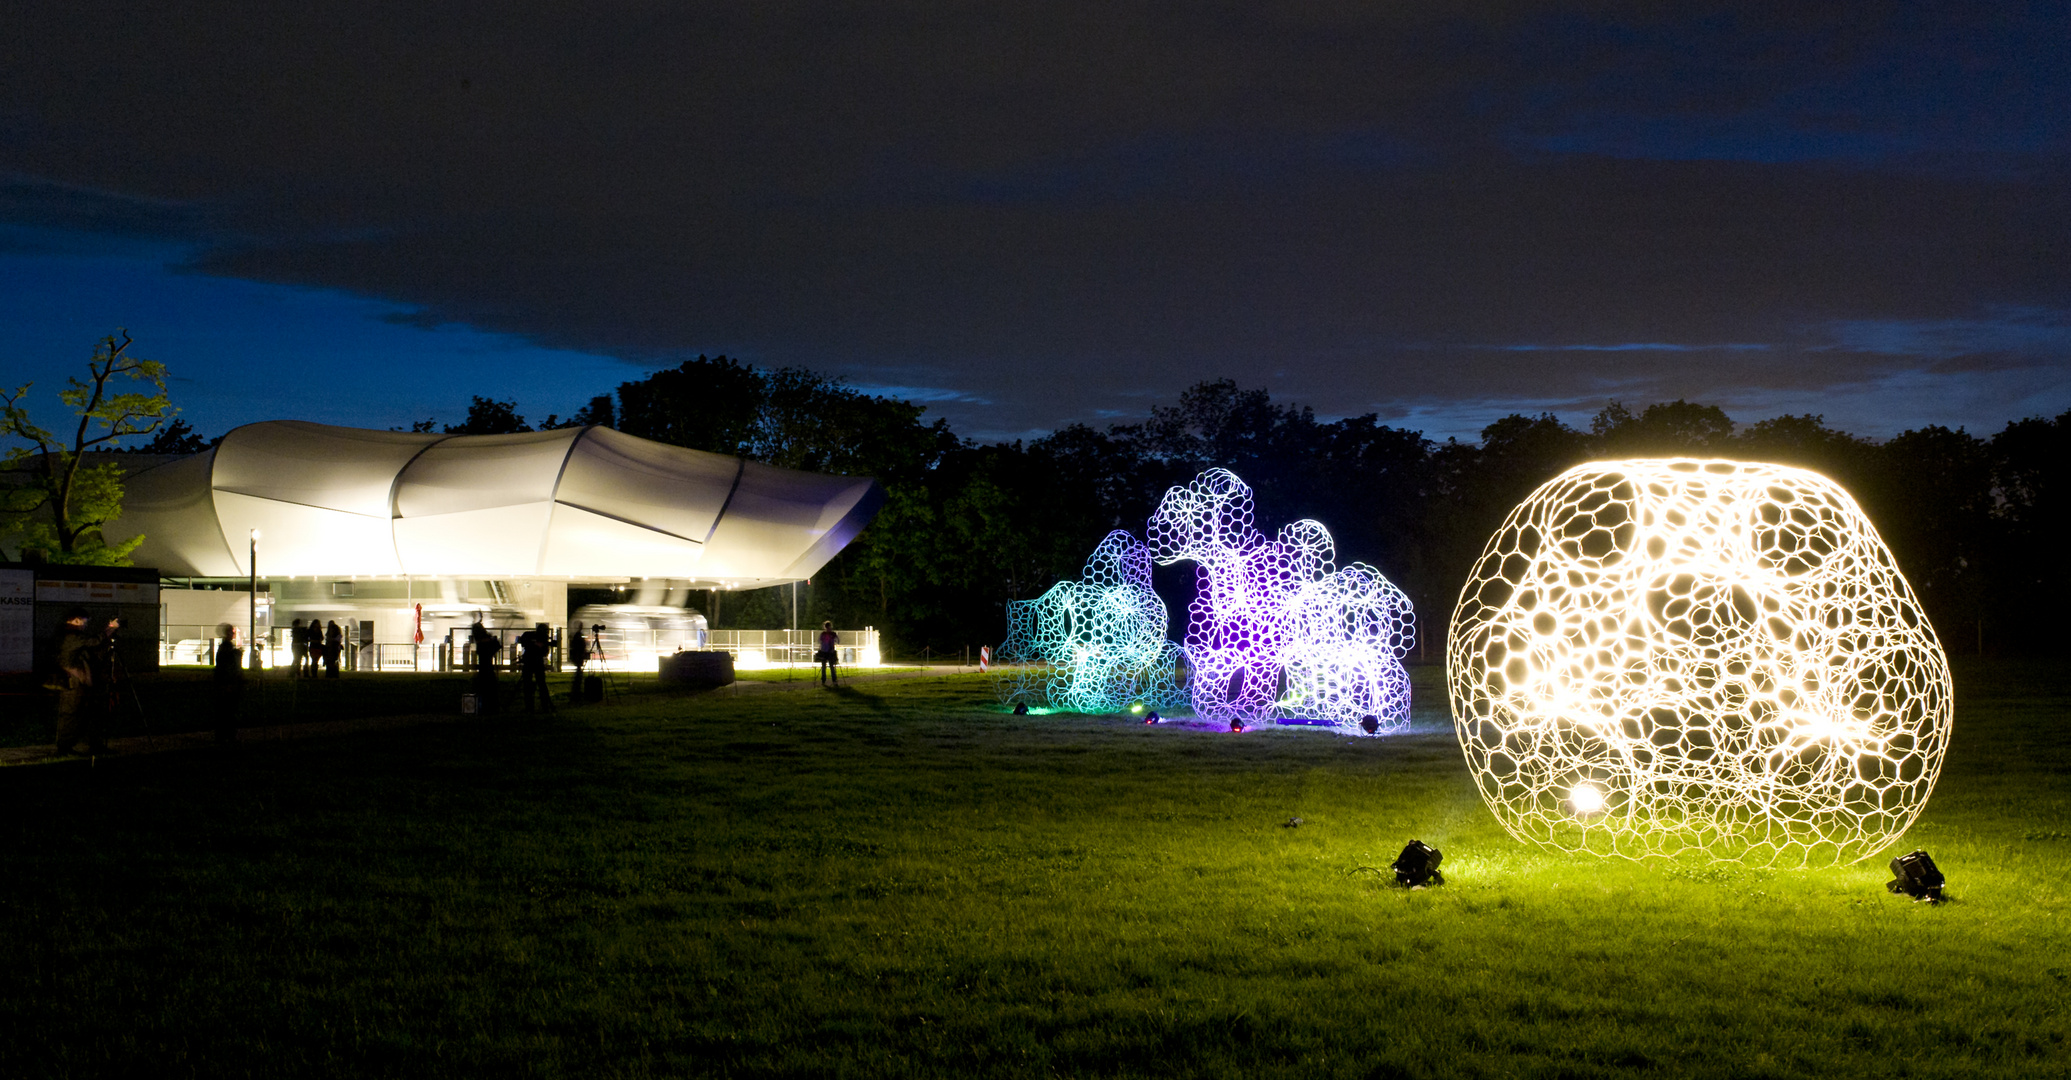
x=778 y=648
x=624 y=649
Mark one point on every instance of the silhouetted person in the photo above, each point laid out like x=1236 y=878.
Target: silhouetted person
x=299 y=642
x=228 y=682
x=313 y=646
x=825 y=654
x=72 y=678
x=486 y=646
x=578 y=654
x=533 y=645
x=102 y=700
x=334 y=647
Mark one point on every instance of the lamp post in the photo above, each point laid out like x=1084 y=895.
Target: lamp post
x=252 y=631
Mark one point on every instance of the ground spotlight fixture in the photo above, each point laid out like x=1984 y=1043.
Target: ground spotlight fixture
x=1417 y=866
x=1915 y=875
x=1151 y=717
x=1236 y=724
x=1369 y=723
x=1021 y=708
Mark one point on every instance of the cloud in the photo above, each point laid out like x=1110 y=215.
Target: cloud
x=1648 y=346
x=1074 y=210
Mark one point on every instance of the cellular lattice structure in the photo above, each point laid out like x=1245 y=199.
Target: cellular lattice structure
x=1275 y=630
x=1690 y=657
x=1096 y=644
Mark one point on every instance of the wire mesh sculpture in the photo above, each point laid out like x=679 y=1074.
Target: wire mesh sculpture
x=1666 y=657
x=1275 y=631
x=1093 y=645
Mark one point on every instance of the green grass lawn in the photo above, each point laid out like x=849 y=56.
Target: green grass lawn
x=900 y=879
x=812 y=674
x=180 y=698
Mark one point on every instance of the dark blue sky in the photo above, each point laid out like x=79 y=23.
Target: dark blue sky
x=364 y=215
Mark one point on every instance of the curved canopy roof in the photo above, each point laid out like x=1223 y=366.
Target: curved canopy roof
x=582 y=503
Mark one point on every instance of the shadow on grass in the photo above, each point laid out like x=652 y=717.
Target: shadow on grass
x=875 y=702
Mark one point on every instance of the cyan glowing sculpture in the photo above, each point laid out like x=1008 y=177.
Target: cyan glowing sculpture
x=1096 y=644
x=1274 y=631
x=1661 y=657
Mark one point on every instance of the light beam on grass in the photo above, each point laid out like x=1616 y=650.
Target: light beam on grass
x=1655 y=657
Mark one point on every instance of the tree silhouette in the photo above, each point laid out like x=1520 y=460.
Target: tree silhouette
x=57 y=512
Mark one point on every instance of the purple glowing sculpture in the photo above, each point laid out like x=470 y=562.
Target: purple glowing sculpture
x=1275 y=632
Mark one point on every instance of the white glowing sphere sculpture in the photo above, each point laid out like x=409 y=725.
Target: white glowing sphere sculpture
x=1093 y=645
x=1275 y=631
x=1667 y=657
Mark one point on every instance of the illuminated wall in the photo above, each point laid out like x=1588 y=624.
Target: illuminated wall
x=1096 y=644
x=1275 y=631
x=1661 y=657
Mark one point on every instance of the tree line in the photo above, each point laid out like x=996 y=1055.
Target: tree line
x=1975 y=521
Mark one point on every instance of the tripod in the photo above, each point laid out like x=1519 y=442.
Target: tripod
x=603 y=662
x=120 y=672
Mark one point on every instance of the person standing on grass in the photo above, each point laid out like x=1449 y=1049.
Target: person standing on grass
x=300 y=643
x=72 y=678
x=578 y=654
x=825 y=654
x=334 y=646
x=314 y=650
x=228 y=682
x=98 y=715
x=532 y=667
x=486 y=646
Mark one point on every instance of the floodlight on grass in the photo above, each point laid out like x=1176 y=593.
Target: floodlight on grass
x=1151 y=717
x=1417 y=866
x=1915 y=875
x=1660 y=657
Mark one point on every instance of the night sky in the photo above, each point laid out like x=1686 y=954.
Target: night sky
x=1438 y=212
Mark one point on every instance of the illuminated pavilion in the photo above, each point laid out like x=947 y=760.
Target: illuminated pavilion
x=368 y=525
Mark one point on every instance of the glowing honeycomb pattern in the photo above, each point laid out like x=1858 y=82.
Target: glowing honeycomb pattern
x=1666 y=657
x=1096 y=644
x=1275 y=631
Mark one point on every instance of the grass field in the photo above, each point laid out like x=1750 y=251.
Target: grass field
x=179 y=698
x=812 y=674
x=899 y=879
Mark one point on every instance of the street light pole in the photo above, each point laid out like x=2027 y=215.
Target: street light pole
x=252 y=630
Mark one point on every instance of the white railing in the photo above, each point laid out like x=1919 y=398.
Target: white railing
x=785 y=648
x=625 y=650
x=642 y=650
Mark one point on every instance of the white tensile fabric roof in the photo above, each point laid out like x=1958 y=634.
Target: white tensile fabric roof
x=581 y=503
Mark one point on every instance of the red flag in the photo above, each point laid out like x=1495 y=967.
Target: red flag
x=417 y=633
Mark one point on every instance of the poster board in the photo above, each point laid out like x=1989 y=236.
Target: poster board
x=17 y=621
